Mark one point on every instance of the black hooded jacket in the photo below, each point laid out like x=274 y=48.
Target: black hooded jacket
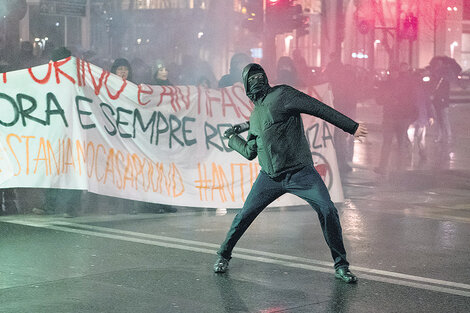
x=276 y=133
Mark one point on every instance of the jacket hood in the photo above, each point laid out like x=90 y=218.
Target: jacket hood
x=249 y=70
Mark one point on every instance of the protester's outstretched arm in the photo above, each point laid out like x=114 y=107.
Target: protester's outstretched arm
x=304 y=103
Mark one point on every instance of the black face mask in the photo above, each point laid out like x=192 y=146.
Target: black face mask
x=258 y=86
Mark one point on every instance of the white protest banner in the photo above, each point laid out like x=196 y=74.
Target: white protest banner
x=70 y=124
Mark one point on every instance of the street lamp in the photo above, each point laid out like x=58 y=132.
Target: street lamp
x=452 y=48
x=287 y=43
x=376 y=44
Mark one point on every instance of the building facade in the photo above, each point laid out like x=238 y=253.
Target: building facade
x=369 y=33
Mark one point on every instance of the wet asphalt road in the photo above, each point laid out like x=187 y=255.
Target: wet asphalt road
x=407 y=234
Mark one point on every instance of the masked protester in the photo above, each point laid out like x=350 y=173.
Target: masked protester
x=276 y=136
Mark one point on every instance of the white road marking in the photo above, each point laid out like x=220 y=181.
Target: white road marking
x=252 y=255
x=414 y=213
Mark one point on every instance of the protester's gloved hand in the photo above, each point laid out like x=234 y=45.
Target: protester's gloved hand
x=237 y=129
x=229 y=132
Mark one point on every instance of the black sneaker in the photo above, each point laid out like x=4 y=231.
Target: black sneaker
x=345 y=275
x=221 y=265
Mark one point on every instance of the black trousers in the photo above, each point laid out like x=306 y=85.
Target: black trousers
x=305 y=183
x=393 y=128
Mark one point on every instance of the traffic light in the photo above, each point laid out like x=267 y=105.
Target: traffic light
x=410 y=27
x=253 y=11
x=297 y=20
x=278 y=5
x=276 y=15
x=283 y=16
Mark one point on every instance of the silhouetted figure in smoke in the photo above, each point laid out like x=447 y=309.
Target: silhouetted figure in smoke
x=205 y=71
x=122 y=68
x=93 y=58
x=276 y=136
x=425 y=116
x=27 y=58
x=237 y=63
x=397 y=95
x=343 y=81
x=141 y=72
x=188 y=71
x=408 y=79
x=303 y=71
x=443 y=71
x=287 y=73
x=46 y=54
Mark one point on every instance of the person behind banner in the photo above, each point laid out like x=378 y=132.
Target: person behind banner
x=277 y=137
x=160 y=77
x=237 y=63
x=26 y=57
x=204 y=82
x=287 y=73
x=141 y=72
x=67 y=200
x=122 y=68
